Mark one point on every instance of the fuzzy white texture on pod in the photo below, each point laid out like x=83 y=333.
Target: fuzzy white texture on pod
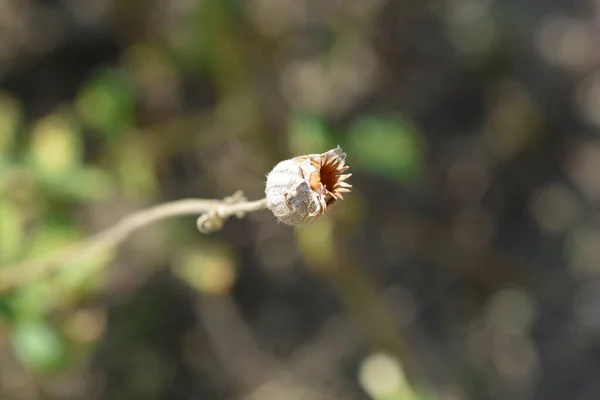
x=301 y=189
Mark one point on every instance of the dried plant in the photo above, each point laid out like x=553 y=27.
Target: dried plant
x=298 y=190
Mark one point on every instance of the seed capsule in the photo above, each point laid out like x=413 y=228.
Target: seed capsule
x=301 y=189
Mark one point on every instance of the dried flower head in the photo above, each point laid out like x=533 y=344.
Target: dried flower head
x=300 y=189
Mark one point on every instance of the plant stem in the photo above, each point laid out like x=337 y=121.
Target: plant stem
x=213 y=215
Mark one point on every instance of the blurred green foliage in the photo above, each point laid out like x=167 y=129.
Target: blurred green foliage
x=107 y=104
x=107 y=107
x=386 y=146
x=45 y=175
x=61 y=171
x=38 y=345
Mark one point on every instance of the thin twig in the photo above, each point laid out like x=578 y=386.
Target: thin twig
x=213 y=214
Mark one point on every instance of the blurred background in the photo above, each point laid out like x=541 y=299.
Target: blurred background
x=464 y=265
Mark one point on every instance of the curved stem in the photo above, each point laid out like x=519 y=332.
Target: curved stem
x=213 y=215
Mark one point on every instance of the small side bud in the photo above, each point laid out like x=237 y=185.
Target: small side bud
x=301 y=189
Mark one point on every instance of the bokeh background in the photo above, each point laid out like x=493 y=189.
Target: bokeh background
x=464 y=265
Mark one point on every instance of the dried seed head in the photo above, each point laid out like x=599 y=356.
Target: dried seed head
x=300 y=189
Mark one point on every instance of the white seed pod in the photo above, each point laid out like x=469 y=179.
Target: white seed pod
x=301 y=189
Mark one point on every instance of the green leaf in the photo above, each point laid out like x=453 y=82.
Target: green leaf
x=83 y=183
x=386 y=146
x=107 y=103
x=38 y=345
